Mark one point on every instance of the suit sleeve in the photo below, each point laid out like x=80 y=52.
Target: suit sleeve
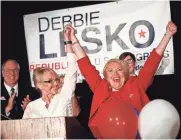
x=149 y=69
x=89 y=72
x=3 y=105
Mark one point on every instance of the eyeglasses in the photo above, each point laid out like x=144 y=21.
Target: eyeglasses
x=51 y=81
x=129 y=61
x=11 y=70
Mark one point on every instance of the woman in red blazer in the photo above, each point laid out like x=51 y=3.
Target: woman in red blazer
x=115 y=83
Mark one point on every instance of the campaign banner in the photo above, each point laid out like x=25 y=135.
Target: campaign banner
x=104 y=32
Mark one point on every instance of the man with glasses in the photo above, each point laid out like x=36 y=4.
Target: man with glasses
x=131 y=60
x=14 y=96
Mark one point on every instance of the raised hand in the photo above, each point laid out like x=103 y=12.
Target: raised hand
x=171 y=29
x=66 y=33
x=70 y=31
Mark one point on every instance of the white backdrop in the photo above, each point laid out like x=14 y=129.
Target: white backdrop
x=104 y=31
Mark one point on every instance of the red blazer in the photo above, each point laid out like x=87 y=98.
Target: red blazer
x=135 y=86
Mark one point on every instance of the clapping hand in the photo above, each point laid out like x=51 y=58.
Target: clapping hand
x=25 y=102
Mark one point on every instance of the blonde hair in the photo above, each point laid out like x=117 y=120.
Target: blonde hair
x=123 y=64
x=39 y=72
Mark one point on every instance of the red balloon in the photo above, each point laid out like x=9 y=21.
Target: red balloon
x=117 y=119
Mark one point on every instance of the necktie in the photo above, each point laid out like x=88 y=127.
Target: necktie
x=15 y=99
x=12 y=91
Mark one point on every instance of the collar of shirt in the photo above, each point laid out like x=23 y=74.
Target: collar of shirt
x=42 y=102
x=9 y=89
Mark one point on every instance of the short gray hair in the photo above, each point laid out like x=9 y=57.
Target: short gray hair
x=12 y=60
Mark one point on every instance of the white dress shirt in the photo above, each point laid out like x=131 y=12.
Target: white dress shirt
x=8 y=88
x=60 y=104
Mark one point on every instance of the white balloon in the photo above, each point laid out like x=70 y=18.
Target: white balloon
x=159 y=119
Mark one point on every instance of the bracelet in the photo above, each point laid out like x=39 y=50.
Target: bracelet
x=73 y=47
x=75 y=42
x=67 y=42
x=168 y=36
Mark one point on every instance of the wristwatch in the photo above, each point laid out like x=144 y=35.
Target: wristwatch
x=67 y=42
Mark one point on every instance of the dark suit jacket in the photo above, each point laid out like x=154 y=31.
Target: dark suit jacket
x=23 y=91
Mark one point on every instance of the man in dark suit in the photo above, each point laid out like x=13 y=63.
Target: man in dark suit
x=14 y=96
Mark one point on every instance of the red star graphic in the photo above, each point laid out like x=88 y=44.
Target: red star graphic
x=142 y=34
